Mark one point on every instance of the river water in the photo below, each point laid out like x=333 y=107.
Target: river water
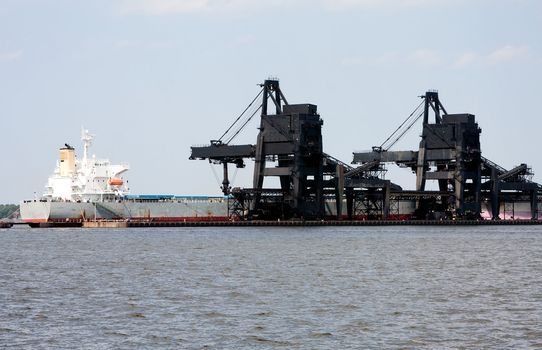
x=266 y=288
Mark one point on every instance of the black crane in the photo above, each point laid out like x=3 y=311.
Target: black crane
x=449 y=153
x=288 y=146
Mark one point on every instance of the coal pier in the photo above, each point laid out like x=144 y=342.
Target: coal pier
x=316 y=186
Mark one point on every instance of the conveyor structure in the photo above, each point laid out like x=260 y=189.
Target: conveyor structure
x=289 y=147
x=449 y=153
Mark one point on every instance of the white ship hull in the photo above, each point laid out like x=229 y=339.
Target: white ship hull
x=178 y=209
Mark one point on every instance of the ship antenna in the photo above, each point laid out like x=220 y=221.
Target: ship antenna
x=86 y=137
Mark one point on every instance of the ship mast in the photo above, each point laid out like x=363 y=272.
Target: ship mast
x=86 y=137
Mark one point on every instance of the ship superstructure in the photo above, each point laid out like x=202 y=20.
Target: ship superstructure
x=89 y=180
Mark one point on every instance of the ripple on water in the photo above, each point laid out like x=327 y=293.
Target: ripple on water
x=318 y=288
x=261 y=340
x=320 y=334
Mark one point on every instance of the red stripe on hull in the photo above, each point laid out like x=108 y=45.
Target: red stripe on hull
x=35 y=221
x=181 y=218
x=391 y=217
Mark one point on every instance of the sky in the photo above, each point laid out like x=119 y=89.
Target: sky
x=150 y=78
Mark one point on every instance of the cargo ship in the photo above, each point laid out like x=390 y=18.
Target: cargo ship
x=95 y=189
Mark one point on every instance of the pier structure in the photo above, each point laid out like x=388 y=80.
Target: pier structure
x=289 y=146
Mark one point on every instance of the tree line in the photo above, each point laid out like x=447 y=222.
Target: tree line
x=7 y=209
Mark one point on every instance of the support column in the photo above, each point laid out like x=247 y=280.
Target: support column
x=459 y=190
x=495 y=205
x=226 y=181
x=339 y=190
x=349 y=202
x=534 y=204
x=259 y=167
x=420 y=170
x=386 y=200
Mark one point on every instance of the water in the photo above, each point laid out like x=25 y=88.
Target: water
x=292 y=288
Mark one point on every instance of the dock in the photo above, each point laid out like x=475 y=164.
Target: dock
x=275 y=223
x=301 y=223
x=105 y=224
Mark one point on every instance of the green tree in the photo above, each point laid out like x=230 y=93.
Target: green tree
x=7 y=209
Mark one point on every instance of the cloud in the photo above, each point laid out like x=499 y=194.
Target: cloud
x=420 y=57
x=165 y=7
x=505 y=54
x=10 y=55
x=425 y=57
x=466 y=58
x=509 y=53
x=389 y=58
x=375 y=4
x=160 y=7
x=139 y=44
